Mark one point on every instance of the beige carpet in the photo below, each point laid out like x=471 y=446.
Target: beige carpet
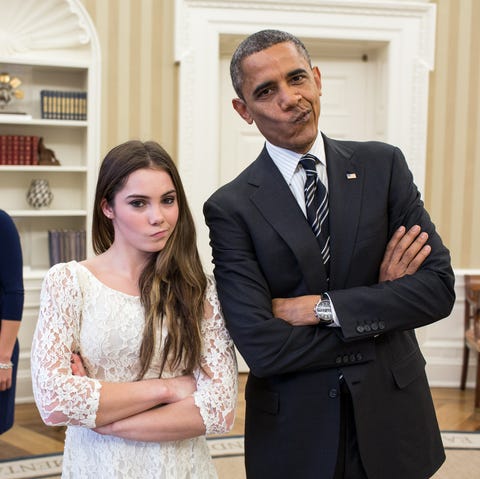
x=463 y=456
x=462 y=450
x=227 y=453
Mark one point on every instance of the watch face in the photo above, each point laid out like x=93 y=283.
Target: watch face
x=323 y=311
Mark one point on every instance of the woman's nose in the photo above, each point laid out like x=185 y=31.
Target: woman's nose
x=156 y=215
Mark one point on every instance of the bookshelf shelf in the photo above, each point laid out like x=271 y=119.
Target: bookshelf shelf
x=32 y=273
x=65 y=62
x=43 y=169
x=19 y=120
x=46 y=213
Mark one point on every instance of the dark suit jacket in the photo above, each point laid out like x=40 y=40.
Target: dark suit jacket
x=263 y=248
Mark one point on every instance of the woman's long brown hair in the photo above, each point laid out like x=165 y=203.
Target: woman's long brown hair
x=172 y=284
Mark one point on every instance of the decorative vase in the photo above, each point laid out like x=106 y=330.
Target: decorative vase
x=39 y=194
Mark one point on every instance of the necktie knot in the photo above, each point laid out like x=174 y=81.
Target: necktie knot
x=308 y=163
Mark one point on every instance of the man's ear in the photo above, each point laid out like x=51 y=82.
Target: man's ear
x=241 y=108
x=318 y=79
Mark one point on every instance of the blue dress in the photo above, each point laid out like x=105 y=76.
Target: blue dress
x=11 y=303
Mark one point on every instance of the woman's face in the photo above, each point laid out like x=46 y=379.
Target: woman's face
x=145 y=211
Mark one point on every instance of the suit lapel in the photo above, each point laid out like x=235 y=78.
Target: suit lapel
x=345 y=185
x=278 y=206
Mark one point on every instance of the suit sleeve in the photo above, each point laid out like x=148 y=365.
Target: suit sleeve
x=413 y=300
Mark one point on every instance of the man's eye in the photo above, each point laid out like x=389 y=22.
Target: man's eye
x=264 y=92
x=298 y=78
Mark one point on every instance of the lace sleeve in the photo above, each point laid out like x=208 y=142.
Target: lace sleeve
x=61 y=398
x=217 y=385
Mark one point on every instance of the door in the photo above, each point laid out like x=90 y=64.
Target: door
x=350 y=105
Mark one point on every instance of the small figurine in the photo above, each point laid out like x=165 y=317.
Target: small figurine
x=45 y=155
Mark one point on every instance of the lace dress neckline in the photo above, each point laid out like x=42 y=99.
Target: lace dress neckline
x=101 y=283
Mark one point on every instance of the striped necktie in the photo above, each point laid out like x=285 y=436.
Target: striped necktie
x=316 y=202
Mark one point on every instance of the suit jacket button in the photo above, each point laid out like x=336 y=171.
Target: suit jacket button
x=381 y=324
x=359 y=356
x=338 y=359
x=374 y=326
x=367 y=328
x=360 y=329
x=345 y=358
x=332 y=393
x=352 y=358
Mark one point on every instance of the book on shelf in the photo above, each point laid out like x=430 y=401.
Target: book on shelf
x=63 y=105
x=18 y=150
x=66 y=245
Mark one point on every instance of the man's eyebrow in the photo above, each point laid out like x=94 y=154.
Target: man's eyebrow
x=261 y=87
x=296 y=72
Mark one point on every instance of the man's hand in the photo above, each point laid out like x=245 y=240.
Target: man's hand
x=296 y=311
x=405 y=253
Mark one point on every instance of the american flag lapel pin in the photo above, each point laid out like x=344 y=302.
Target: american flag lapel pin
x=351 y=176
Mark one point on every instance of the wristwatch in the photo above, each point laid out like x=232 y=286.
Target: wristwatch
x=323 y=310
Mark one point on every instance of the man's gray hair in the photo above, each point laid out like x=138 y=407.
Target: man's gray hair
x=256 y=43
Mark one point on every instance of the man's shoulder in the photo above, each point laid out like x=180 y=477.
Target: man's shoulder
x=358 y=146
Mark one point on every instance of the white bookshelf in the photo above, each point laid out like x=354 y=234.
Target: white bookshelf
x=49 y=45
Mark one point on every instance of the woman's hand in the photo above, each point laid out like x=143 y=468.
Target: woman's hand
x=76 y=365
x=5 y=379
x=180 y=387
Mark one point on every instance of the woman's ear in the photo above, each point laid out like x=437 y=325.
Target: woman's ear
x=107 y=209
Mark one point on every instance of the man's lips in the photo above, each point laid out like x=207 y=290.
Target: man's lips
x=302 y=117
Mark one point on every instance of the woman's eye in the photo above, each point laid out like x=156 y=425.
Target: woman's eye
x=137 y=203
x=169 y=200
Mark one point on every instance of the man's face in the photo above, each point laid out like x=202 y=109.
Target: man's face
x=282 y=96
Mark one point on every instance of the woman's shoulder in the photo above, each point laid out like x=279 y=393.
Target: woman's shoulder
x=63 y=272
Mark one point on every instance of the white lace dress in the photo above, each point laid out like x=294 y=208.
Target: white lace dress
x=79 y=313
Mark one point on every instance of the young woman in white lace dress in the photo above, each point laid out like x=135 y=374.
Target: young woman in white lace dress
x=157 y=369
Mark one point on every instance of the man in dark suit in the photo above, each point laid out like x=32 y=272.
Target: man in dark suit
x=337 y=385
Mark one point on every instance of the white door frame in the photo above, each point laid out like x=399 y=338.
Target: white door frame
x=204 y=27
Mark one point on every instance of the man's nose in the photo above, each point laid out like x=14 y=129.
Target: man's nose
x=289 y=97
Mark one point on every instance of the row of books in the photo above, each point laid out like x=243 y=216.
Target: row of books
x=18 y=150
x=63 y=105
x=66 y=245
